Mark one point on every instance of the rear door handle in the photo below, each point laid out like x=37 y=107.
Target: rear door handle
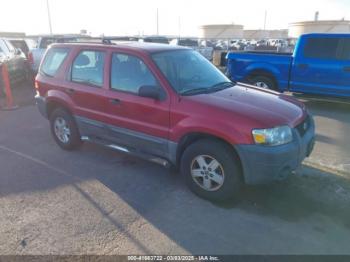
x=115 y=101
x=346 y=69
x=303 y=66
x=70 y=91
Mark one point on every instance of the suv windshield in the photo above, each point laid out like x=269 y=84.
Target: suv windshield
x=188 y=42
x=190 y=73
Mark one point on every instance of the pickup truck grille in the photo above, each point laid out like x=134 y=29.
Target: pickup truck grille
x=304 y=126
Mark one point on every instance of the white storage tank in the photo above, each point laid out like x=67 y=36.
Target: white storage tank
x=325 y=26
x=221 y=31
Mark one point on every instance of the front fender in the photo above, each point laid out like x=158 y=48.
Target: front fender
x=216 y=128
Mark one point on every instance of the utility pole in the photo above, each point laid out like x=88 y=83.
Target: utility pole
x=179 y=26
x=157 y=22
x=265 y=19
x=49 y=15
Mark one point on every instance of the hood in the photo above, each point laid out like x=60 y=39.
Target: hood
x=264 y=108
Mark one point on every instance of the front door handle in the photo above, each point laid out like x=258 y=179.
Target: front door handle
x=115 y=101
x=346 y=69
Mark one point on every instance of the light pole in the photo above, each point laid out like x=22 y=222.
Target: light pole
x=157 y=22
x=179 y=26
x=49 y=15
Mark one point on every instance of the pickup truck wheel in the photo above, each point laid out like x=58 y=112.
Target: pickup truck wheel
x=64 y=129
x=211 y=170
x=263 y=82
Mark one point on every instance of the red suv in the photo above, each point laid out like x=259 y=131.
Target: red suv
x=170 y=105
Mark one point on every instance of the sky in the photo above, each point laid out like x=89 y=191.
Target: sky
x=134 y=17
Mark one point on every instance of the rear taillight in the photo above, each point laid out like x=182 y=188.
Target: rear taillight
x=30 y=58
x=36 y=85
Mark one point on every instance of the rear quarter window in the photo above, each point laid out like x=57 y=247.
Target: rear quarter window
x=53 y=61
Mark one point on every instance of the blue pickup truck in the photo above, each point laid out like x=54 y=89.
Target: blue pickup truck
x=319 y=65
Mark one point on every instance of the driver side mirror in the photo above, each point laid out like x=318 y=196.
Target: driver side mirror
x=150 y=92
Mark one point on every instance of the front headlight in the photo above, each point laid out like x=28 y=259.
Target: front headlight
x=273 y=136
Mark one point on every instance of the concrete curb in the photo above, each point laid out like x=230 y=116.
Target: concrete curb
x=328 y=169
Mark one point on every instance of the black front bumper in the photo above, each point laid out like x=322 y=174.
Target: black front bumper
x=262 y=164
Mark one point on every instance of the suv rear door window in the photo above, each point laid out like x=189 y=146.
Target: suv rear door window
x=322 y=48
x=53 y=60
x=88 y=68
x=129 y=73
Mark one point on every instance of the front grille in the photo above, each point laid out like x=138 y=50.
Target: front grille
x=304 y=126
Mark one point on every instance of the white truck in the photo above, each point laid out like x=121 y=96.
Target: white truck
x=36 y=54
x=207 y=52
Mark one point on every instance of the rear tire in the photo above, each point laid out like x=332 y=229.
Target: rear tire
x=198 y=166
x=263 y=82
x=64 y=129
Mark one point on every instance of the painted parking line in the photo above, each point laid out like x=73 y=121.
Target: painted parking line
x=38 y=161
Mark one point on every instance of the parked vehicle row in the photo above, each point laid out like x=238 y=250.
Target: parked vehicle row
x=207 y=52
x=277 y=45
x=36 y=54
x=24 y=45
x=15 y=60
x=319 y=65
x=170 y=105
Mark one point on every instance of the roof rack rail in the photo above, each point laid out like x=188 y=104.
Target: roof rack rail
x=92 y=40
x=107 y=41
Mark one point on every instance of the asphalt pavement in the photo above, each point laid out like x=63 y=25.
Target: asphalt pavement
x=96 y=201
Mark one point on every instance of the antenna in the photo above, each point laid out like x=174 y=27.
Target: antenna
x=49 y=15
x=179 y=24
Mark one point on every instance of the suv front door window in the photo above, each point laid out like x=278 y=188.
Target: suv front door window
x=129 y=73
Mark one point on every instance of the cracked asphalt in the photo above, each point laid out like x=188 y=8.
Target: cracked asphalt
x=96 y=201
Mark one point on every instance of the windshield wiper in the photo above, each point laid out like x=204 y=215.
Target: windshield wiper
x=221 y=86
x=203 y=90
x=194 y=91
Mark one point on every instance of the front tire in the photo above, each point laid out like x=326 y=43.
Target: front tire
x=211 y=170
x=64 y=129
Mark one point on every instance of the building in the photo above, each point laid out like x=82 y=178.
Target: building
x=12 y=34
x=221 y=31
